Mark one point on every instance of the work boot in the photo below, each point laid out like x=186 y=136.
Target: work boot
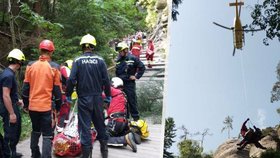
x=86 y=153
x=130 y=141
x=104 y=148
x=35 y=150
x=47 y=147
x=136 y=137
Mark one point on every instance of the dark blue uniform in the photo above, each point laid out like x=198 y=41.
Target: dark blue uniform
x=89 y=74
x=130 y=66
x=11 y=131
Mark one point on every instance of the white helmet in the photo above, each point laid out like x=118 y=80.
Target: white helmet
x=117 y=82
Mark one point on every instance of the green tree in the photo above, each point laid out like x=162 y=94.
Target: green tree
x=169 y=134
x=228 y=125
x=175 y=5
x=275 y=92
x=185 y=132
x=149 y=98
x=203 y=135
x=266 y=16
x=189 y=149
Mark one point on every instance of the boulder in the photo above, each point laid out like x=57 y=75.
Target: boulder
x=229 y=150
x=161 y=4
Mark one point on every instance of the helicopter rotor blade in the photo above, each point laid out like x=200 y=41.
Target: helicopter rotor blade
x=233 y=51
x=223 y=26
x=254 y=30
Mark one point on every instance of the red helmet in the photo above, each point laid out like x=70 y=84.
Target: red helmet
x=47 y=45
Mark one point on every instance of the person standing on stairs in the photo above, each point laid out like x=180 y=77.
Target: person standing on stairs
x=89 y=75
x=129 y=68
x=150 y=53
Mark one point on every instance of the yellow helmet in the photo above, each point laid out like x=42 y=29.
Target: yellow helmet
x=69 y=63
x=121 y=46
x=16 y=54
x=88 y=39
x=143 y=127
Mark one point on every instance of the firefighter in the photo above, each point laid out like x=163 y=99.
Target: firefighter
x=136 y=48
x=89 y=75
x=9 y=104
x=41 y=85
x=129 y=69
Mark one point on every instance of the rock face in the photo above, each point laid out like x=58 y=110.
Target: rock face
x=229 y=148
x=160 y=32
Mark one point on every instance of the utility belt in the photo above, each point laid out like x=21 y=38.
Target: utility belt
x=118 y=117
x=117 y=123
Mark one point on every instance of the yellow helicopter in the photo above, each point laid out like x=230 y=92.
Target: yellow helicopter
x=237 y=29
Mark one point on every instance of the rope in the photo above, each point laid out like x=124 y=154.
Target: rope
x=244 y=83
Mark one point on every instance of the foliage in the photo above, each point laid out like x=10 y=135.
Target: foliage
x=189 y=149
x=228 y=125
x=275 y=93
x=175 y=5
x=269 y=153
x=149 y=98
x=266 y=16
x=185 y=131
x=169 y=134
x=149 y=6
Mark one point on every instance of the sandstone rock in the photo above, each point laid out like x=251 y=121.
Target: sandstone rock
x=229 y=150
x=161 y=4
x=267 y=142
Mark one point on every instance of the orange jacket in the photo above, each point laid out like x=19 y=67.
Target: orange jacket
x=41 y=83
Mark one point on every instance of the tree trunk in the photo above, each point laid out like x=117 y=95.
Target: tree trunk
x=12 y=29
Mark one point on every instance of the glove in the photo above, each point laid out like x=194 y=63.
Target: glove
x=68 y=99
x=107 y=99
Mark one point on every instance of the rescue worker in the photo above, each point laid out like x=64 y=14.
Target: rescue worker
x=117 y=126
x=250 y=136
x=42 y=84
x=136 y=48
x=9 y=104
x=65 y=107
x=150 y=52
x=89 y=75
x=137 y=130
x=129 y=69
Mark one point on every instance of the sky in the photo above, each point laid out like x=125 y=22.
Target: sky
x=205 y=83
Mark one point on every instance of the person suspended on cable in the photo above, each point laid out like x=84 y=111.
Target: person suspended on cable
x=250 y=136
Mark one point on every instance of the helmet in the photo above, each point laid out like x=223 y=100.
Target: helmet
x=88 y=39
x=142 y=126
x=121 y=46
x=117 y=82
x=16 y=54
x=47 y=45
x=69 y=63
